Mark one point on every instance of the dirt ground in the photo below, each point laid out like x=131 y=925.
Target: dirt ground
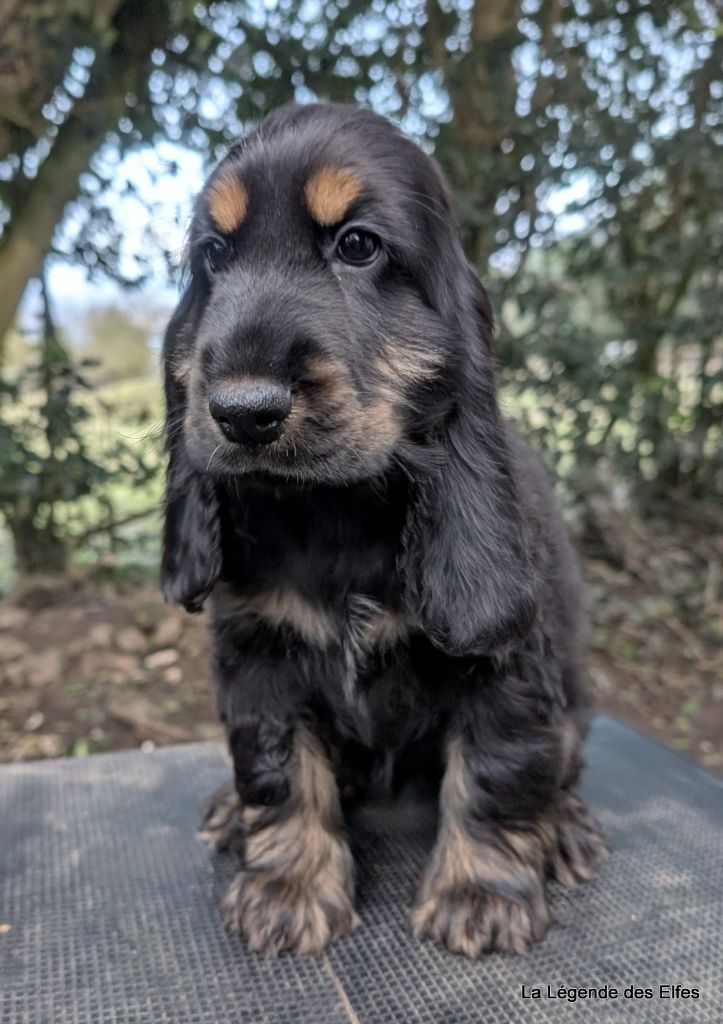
x=85 y=668
x=88 y=666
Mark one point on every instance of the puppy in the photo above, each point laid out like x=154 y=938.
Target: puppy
x=392 y=590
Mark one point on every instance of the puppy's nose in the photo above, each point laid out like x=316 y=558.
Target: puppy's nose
x=251 y=413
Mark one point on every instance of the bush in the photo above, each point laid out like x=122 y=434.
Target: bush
x=48 y=466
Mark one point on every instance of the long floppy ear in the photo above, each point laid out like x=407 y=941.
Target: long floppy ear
x=469 y=577
x=191 y=560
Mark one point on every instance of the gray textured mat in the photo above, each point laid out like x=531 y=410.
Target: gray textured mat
x=109 y=906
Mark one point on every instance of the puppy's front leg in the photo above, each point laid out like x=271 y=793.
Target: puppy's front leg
x=507 y=820
x=295 y=891
x=484 y=886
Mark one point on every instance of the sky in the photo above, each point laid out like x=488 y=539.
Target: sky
x=160 y=207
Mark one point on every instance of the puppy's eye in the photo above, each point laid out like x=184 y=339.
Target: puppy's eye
x=215 y=255
x=357 y=247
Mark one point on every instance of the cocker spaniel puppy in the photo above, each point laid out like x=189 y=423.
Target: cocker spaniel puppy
x=392 y=590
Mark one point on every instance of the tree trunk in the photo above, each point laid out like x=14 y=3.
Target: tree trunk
x=27 y=237
x=37 y=549
x=40 y=203
x=481 y=89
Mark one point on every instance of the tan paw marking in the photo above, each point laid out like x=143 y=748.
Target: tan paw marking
x=460 y=902
x=579 y=844
x=300 y=915
x=296 y=892
x=472 y=922
x=222 y=819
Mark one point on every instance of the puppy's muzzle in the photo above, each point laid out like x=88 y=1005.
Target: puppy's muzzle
x=252 y=412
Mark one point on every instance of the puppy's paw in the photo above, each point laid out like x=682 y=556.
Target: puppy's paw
x=579 y=844
x=299 y=916
x=470 y=920
x=222 y=825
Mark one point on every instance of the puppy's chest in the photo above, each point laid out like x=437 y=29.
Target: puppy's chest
x=353 y=627
x=344 y=645
x=323 y=582
x=367 y=632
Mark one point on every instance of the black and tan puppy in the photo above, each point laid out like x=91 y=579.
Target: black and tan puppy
x=392 y=589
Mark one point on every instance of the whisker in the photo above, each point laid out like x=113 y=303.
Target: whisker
x=435 y=213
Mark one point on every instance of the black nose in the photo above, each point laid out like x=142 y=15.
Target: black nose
x=251 y=413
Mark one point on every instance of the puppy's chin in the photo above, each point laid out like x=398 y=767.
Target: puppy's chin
x=283 y=461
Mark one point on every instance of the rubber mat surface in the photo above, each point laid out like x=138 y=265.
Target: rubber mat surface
x=109 y=906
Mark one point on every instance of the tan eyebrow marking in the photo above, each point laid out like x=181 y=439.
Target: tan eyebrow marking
x=227 y=203
x=329 y=194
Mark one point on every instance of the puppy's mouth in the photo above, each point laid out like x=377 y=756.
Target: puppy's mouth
x=319 y=429
x=310 y=452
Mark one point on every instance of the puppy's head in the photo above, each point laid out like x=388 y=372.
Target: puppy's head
x=331 y=331
x=318 y=333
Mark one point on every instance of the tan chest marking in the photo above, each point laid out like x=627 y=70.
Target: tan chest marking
x=285 y=606
x=364 y=628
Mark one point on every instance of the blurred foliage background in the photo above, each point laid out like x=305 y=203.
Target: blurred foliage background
x=582 y=140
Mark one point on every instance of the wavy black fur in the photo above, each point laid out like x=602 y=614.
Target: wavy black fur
x=423 y=589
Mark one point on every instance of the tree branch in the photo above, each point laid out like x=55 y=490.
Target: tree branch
x=38 y=207
x=109 y=527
